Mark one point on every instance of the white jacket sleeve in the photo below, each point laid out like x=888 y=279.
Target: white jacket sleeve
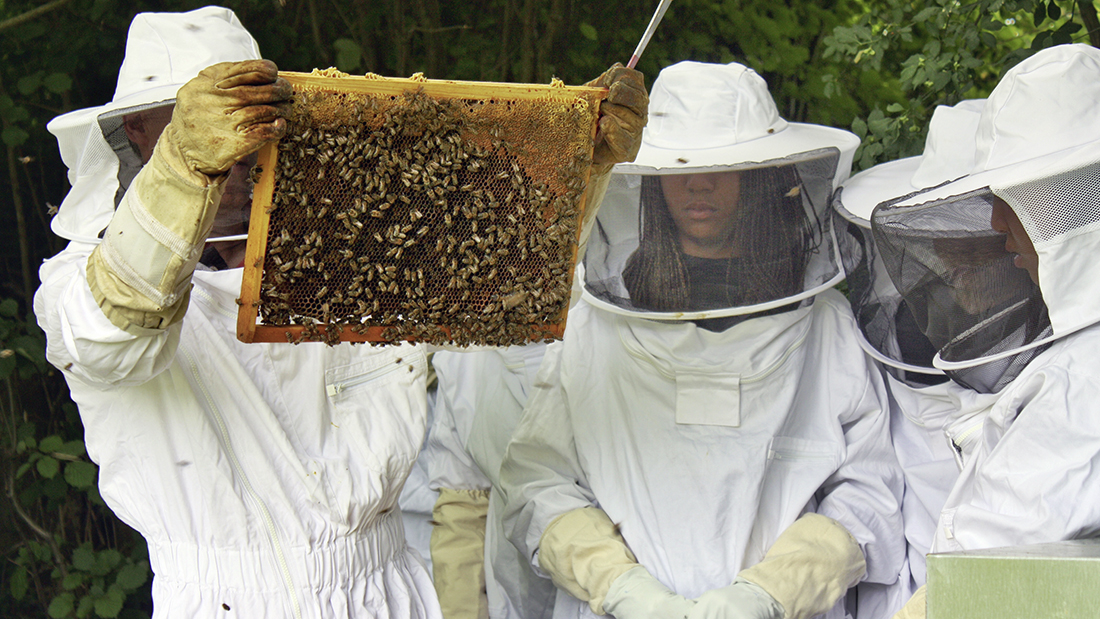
x=864 y=494
x=541 y=477
x=81 y=341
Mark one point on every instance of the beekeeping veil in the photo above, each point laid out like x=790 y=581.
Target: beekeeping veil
x=889 y=328
x=724 y=210
x=1038 y=149
x=163 y=52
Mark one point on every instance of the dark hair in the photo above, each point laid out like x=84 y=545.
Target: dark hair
x=774 y=235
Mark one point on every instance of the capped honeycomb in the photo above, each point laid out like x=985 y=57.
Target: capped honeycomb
x=418 y=210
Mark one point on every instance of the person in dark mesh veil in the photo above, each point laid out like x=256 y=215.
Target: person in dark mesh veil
x=933 y=420
x=708 y=440
x=754 y=250
x=1032 y=474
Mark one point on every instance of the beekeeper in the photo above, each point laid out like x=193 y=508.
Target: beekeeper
x=258 y=494
x=1034 y=183
x=709 y=440
x=925 y=406
x=480 y=400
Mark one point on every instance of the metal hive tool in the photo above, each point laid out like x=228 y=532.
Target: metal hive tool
x=418 y=210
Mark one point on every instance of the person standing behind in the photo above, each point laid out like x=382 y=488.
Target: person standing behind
x=924 y=403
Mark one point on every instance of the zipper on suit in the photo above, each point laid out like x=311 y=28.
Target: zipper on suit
x=337 y=388
x=269 y=522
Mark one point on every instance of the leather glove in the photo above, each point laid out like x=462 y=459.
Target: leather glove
x=810 y=566
x=228 y=111
x=741 y=600
x=638 y=595
x=623 y=114
x=916 y=607
x=458 y=553
x=583 y=553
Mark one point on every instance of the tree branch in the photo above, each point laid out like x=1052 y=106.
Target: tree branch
x=12 y=22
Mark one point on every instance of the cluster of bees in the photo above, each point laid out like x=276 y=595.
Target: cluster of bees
x=424 y=216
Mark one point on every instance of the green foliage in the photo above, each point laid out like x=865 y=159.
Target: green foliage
x=68 y=556
x=941 y=53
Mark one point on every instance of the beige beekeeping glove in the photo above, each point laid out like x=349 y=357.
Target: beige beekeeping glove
x=916 y=607
x=230 y=110
x=623 y=114
x=809 y=567
x=140 y=274
x=584 y=553
x=458 y=553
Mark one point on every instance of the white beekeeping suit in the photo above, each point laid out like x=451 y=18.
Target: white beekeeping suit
x=479 y=403
x=1028 y=334
x=709 y=439
x=264 y=477
x=924 y=404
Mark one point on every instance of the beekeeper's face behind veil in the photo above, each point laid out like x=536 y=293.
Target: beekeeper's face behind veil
x=1032 y=193
x=104 y=147
x=723 y=212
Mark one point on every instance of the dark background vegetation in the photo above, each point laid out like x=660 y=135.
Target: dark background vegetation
x=876 y=67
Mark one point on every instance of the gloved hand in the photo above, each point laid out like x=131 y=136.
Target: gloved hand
x=228 y=111
x=584 y=554
x=458 y=553
x=741 y=600
x=623 y=114
x=809 y=567
x=916 y=607
x=638 y=595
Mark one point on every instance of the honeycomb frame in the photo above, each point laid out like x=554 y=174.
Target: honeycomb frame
x=408 y=209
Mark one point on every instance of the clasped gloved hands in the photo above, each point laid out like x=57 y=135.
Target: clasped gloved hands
x=623 y=114
x=228 y=111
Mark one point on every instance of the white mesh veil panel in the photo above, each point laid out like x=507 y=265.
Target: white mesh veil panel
x=1052 y=206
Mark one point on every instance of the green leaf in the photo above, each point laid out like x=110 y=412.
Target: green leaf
x=1054 y=11
x=51 y=444
x=58 y=83
x=80 y=474
x=588 y=31
x=7 y=366
x=348 y=54
x=110 y=604
x=48 y=467
x=84 y=558
x=29 y=83
x=72 y=581
x=859 y=127
x=14 y=136
x=9 y=308
x=72 y=448
x=87 y=603
x=18 y=584
x=106 y=561
x=61 y=606
x=132 y=576
x=1040 y=14
x=894 y=108
x=22 y=470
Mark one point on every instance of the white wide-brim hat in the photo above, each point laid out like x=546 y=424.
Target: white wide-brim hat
x=1041 y=119
x=704 y=115
x=164 y=51
x=948 y=154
